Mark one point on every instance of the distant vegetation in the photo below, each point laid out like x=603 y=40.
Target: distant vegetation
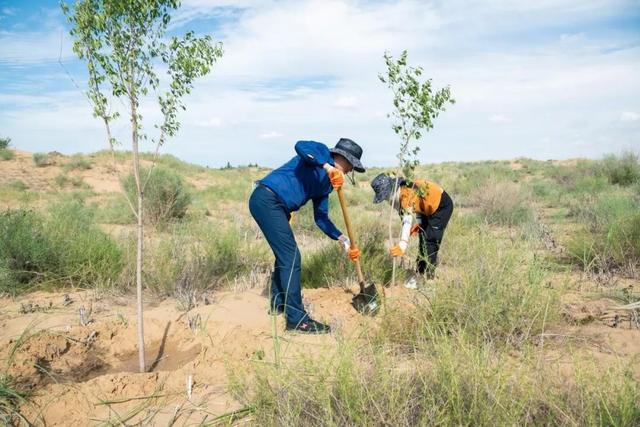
x=41 y=159
x=5 y=153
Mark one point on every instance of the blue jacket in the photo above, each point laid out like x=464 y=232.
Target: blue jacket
x=302 y=179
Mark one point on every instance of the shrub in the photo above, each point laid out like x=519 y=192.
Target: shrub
x=623 y=170
x=198 y=257
x=77 y=163
x=329 y=266
x=4 y=143
x=41 y=159
x=6 y=154
x=165 y=197
x=495 y=295
x=64 y=180
x=584 y=177
x=114 y=210
x=610 y=237
x=503 y=203
x=63 y=247
x=448 y=383
x=18 y=185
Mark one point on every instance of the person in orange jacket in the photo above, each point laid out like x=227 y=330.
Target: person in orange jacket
x=430 y=205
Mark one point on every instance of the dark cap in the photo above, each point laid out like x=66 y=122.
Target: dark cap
x=350 y=151
x=382 y=187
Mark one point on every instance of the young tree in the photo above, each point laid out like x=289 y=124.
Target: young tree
x=415 y=105
x=124 y=44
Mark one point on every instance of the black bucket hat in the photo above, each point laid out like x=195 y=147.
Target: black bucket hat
x=350 y=151
x=382 y=186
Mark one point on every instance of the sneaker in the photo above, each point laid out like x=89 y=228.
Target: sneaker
x=412 y=283
x=309 y=326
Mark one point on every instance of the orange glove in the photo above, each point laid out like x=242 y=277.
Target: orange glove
x=354 y=253
x=336 y=177
x=415 y=229
x=396 y=251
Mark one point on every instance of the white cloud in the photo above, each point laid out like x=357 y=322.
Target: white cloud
x=630 y=116
x=348 y=102
x=212 y=122
x=32 y=48
x=499 y=118
x=270 y=135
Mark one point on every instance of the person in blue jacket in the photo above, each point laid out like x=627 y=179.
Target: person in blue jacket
x=311 y=175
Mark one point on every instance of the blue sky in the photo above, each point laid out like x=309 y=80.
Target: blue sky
x=544 y=79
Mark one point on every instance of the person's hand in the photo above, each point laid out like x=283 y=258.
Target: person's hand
x=415 y=229
x=396 y=251
x=354 y=254
x=335 y=176
x=346 y=243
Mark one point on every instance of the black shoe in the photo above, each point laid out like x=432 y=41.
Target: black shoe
x=309 y=326
x=279 y=309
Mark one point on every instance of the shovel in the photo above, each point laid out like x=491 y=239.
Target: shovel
x=366 y=302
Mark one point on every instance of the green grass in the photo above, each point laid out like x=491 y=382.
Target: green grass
x=77 y=163
x=63 y=180
x=18 y=185
x=197 y=257
x=6 y=154
x=62 y=247
x=450 y=382
x=329 y=265
x=10 y=398
x=13 y=394
x=165 y=197
x=610 y=236
x=503 y=203
x=496 y=294
x=41 y=159
x=114 y=210
x=623 y=170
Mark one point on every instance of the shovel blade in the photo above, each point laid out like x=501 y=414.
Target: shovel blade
x=367 y=301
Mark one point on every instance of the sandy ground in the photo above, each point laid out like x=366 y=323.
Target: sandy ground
x=73 y=370
x=85 y=375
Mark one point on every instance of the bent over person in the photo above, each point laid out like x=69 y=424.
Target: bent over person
x=311 y=175
x=432 y=208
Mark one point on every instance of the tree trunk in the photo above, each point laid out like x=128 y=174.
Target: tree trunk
x=140 y=229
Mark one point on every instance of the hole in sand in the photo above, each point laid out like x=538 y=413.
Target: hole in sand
x=160 y=355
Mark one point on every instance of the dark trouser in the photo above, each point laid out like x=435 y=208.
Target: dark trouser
x=431 y=234
x=273 y=219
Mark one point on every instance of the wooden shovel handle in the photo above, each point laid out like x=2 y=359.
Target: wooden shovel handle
x=352 y=238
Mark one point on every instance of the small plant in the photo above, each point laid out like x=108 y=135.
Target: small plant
x=61 y=247
x=623 y=170
x=166 y=198
x=18 y=185
x=13 y=394
x=6 y=154
x=77 y=164
x=503 y=203
x=41 y=160
x=63 y=180
x=610 y=237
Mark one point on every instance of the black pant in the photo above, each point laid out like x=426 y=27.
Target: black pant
x=431 y=234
